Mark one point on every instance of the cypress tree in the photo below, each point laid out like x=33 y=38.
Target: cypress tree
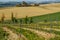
x=15 y=18
x=12 y=17
x=26 y=20
x=16 y=21
x=2 y=19
x=31 y=20
x=20 y=21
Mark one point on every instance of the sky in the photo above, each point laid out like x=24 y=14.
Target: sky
x=27 y=0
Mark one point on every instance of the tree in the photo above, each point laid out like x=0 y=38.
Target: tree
x=24 y=3
x=20 y=21
x=12 y=18
x=2 y=19
x=31 y=20
x=26 y=19
x=36 y=4
x=45 y=21
x=15 y=20
x=19 y=5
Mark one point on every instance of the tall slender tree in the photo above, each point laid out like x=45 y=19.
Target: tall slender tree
x=26 y=20
x=21 y=21
x=2 y=19
x=31 y=20
x=12 y=17
x=16 y=21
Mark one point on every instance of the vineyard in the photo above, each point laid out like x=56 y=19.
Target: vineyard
x=40 y=31
x=37 y=23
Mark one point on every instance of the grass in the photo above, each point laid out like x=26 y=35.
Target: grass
x=55 y=38
x=3 y=34
x=42 y=29
x=48 y=17
x=32 y=36
x=49 y=31
x=51 y=17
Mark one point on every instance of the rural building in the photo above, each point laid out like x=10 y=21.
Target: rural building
x=24 y=4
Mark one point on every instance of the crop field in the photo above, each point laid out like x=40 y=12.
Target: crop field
x=21 y=12
x=30 y=23
x=32 y=31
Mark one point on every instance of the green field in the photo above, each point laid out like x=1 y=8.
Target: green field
x=48 y=17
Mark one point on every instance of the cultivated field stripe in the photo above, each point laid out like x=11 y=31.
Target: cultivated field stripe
x=22 y=37
x=28 y=34
x=52 y=29
x=41 y=33
x=12 y=36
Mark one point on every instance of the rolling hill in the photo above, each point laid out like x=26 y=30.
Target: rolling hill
x=22 y=12
x=48 y=17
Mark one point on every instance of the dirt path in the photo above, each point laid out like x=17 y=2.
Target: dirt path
x=41 y=33
x=52 y=29
x=12 y=35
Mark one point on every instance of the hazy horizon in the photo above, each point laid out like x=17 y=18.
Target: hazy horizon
x=28 y=0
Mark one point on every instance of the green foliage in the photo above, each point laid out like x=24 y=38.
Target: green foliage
x=47 y=17
x=36 y=4
x=12 y=17
x=21 y=21
x=28 y=34
x=3 y=34
x=2 y=19
x=14 y=20
x=24 y=3
x=55 y=38
x=31 y=20
x=26 y=20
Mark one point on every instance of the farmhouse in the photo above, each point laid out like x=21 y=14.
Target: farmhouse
x=24 y=4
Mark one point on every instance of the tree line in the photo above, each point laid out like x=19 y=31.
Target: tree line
x=25 y=4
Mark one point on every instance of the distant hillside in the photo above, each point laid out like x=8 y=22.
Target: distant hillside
x=12 y=3
x=7 y=4
x=48 y=17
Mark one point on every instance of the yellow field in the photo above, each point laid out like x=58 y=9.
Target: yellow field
x=21 y=12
